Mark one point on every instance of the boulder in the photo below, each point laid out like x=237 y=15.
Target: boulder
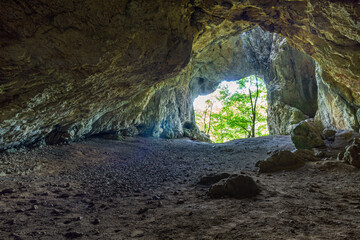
x=352 y=153
x=306 y=135
x=283 y=160
x=236 y=186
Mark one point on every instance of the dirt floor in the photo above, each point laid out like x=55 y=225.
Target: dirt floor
x=145 y=188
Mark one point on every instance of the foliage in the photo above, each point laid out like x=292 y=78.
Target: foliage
x=243 y=113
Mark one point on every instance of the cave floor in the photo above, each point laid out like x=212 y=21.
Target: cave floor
x=144 y=188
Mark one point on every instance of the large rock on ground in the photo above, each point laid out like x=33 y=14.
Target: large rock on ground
x=281 y=161
x=236 y=186
x=352 y=153
x=306 y=135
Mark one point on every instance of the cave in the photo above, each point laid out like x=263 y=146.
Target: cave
x=98 y=138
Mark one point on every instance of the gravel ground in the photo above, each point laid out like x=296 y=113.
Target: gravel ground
x=145 y=188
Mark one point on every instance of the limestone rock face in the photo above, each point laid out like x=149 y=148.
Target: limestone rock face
x=69 y=69
x=334 y=111
x=306 y=135
x=87 y=68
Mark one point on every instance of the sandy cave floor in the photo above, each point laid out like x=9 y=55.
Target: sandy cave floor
x=145 y=188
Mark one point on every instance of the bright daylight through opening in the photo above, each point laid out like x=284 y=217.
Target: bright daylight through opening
x=235 y=110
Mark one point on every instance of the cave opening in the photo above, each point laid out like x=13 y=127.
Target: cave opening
x=235 y=110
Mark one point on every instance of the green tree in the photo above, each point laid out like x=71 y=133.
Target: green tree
x=243 y=114
x=204 y=118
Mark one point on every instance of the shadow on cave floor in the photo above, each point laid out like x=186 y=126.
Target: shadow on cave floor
x=143 y=188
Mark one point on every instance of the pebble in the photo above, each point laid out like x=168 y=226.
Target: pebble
x=96 y=221
x=142 y=210
x=137 y=234
x=73 y=235
x=7 y=191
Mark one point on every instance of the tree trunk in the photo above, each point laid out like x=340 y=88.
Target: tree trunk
x=211 y=107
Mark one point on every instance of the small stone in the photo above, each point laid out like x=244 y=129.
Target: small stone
x=10 y=222
x=142 y=210
x=34 y=207
x=137 y=234
x=96 y=221
x=56 y=212
x=156 y=197
x=180 y=201
x=73 y=235
x=64 y=195
x=7 y=191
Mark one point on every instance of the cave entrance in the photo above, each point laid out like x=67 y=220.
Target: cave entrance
x=235 y=110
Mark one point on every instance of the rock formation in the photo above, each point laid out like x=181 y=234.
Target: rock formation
x=69 y=70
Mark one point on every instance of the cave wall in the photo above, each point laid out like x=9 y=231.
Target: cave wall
x=334 y=111
x=70 y=69
x=73 y=68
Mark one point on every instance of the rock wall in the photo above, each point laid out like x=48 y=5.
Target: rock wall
x=334 y=111
x=70 y=69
